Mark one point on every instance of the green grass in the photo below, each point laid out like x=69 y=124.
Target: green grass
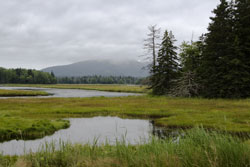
x=11 y=93
x=36 y=117
x=223 y=115
x=23 y=128
x=198 y=148
x=100 y=87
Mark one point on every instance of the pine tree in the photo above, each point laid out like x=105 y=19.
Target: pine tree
x=218 y=52
x=241 y=60
x=166 y=70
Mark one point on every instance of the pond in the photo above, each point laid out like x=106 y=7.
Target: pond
x=69 y=92
x=87 y=130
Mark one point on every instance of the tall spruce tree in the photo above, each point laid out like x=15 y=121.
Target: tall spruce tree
x=218 y=53
x=241 y=60
x=166 y=70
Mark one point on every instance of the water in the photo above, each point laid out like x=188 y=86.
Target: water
x=68 y=93
x=86 y=130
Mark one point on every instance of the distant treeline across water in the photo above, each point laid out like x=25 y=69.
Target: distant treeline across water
x=28 y=76
x=97 y=79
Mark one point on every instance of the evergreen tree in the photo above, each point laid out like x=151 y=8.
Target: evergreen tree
x=190 y=55
x=166 y=71
x=241 y=62
x=218 y=52
x=187 y=85
x=52 y=74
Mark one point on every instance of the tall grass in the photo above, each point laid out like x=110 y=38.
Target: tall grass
x=13 y=93
x=197 y=148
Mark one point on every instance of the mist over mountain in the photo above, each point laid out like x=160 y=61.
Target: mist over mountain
x=100 y=67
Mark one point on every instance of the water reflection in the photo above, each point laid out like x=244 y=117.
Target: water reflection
x=164 y=132
x=87 y=130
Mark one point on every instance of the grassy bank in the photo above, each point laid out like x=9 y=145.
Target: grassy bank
x=100 y=87
x=197 y=148
x=11 y=93
x=223 y=115
x=23 y=128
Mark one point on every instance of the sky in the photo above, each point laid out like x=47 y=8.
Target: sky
x=41 y=33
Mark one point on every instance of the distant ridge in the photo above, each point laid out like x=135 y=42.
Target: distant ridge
x=100 y=67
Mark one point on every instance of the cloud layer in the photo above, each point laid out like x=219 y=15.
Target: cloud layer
x=38 y=33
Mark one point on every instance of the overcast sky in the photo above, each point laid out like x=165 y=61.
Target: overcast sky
x=41 y=33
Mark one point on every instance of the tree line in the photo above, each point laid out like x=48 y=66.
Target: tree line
x=98 y=79
x=215 y=66
x=26 y=76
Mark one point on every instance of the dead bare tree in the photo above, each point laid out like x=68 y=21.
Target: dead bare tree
x=151 y=44
x=186 y=86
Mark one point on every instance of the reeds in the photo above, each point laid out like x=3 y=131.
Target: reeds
x=15 y=93
x=197 y=147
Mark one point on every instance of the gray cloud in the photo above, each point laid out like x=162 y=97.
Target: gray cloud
x=38 y=33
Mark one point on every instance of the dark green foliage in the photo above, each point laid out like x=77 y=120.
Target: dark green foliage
x=187 y=84
x=190 y=56
x=23 y=76
x=97 y=79
x=225 y=69
x=217 y=66
x=166 y=71
x=218 y=52
x=241 y=61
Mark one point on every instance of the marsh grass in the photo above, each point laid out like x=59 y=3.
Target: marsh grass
x=11 y=93
x=34 y=118
x=19 y=128
x=198 y=148
x=223 y=115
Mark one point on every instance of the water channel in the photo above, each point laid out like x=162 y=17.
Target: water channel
x=68 y=93
x=88 y=130
x=84 y=130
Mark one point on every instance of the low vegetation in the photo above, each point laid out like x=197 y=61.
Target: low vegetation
x=10 y=93
x=197 y=148
x=23 y=128
x=16 y=115
x=100 y=87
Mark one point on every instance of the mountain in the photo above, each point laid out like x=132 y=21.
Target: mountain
x=100 y=67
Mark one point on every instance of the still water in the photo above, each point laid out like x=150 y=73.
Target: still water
x=69 y=92
x=87 y=130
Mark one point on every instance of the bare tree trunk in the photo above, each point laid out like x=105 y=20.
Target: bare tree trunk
x=154 y=56
x=151 y=44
